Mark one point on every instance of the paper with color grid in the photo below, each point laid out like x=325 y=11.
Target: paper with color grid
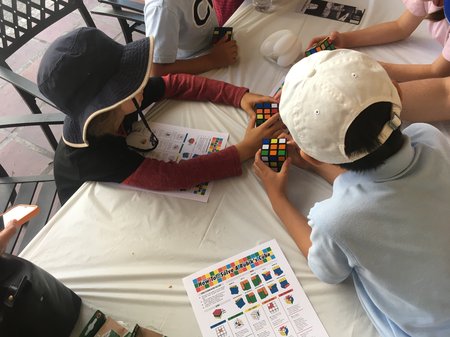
x=180 y=143
x=252 y=294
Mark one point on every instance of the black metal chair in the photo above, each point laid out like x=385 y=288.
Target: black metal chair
x=130 y=15
x=38 y=190
x=20 y=21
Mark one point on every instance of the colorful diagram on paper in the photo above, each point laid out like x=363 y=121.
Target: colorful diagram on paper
x=215 y=145
x=232 y=269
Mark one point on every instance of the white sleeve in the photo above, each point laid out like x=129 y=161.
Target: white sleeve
x=417 y=8
x=164 y=25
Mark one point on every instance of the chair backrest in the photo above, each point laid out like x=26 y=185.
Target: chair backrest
x=21 y=20
x=38 y=190
x=129 y=13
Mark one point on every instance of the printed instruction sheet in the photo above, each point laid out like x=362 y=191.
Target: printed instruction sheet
x=180 y=143
x=252 y=294
x=333 y=11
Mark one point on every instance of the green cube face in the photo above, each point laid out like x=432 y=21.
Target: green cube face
x=274 y=152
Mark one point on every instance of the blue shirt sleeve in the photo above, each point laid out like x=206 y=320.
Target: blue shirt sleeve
x=326 y=258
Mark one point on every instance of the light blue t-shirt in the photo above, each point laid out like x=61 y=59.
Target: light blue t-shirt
x=390 y=230
x=182 y=28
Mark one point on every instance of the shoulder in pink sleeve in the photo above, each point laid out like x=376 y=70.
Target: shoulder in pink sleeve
x=417 y=7
x=446 y=49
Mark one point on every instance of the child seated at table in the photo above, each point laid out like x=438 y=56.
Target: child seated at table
x=386 y=222
x=183 y=31
x=99 y=84
x=397 y=30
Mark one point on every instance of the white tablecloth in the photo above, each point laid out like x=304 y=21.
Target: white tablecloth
x=125 y=251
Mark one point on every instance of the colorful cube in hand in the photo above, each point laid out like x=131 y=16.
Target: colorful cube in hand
x=274 y=152
x=264 y=111
x=220 y=32
x=325 y=44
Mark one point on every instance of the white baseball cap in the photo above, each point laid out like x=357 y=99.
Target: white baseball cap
x=325 y=92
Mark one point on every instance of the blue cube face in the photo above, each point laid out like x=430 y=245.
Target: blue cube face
x=264 y=111
x=220 y=32
x=274 y=152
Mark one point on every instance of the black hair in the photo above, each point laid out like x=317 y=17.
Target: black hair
x=362 y=136
x=436 y=16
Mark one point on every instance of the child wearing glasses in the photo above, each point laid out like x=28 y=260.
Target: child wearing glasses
x=101 y=96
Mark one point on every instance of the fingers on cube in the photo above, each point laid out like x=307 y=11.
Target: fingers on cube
x=325 y=44
x=274 y=152
x=264 y=111
x=220 y=32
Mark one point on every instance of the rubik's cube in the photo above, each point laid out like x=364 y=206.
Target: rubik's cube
x=264 y=111
x=277 y=270
x=251 y=297
x=273 y=288
x=245 y=285
x=274 y=152
x=218 y=313
x=267 y=276
x=239 y=302
x=256 y=280
x=325 y=44
x=234 y=290
x=220 y=32
x=262 y=292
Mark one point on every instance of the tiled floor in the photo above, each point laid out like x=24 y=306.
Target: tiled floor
x=25 y=151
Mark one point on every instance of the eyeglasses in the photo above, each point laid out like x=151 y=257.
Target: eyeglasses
x=153 y=139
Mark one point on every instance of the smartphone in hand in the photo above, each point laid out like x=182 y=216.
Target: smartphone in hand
x=21 y=213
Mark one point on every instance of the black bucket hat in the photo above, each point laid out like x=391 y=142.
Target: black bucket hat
x=86 y=73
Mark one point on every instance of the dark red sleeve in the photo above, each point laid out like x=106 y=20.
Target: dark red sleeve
x=198 y=88
x=157 y=175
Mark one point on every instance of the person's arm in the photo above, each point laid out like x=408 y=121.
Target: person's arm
x=300 y=159
x=275 y=186
x=164 y=24
x=222 y=54
x=6 y=235
x=409 y=72
x=163 y=176
x=426 y=100
x=198 y=88
x=382 y=33
x=157 y=175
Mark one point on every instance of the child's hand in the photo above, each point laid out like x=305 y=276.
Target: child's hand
x=224 y=53
x=294 y=152
x=252 y=141
x=335 y=38
x=7 y=234
x=249 y=100
x=274 y=182
x=277 y=95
